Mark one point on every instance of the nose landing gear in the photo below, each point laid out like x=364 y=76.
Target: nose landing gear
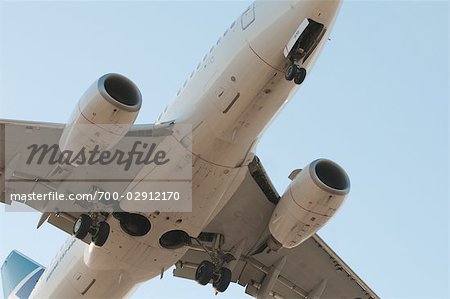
x=296 y=73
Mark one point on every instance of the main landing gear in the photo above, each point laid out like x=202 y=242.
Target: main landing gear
x=214 y=270
x=221 y=277
x=93 y=224
x=296 y=73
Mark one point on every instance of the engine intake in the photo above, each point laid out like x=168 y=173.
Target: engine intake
x=330 y=176
x=103 y=115
x=120 y=91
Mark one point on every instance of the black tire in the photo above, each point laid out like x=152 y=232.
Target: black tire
x=300 y=76
x=223 y=281
x=204 y=272
x=291 y=71
x=102 y=234
x=81 y=226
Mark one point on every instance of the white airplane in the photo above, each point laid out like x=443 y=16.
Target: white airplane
x=240 y=229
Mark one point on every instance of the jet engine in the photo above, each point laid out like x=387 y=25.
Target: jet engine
x=103 y=115
x=311 y=199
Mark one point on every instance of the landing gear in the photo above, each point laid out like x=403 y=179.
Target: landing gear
x=204 y=272
x=215 y=270
x=93 y=224
x=82 y=226
x=222 y=280
x=101 y=235
x=300 y=76
x=296 y=73
x=207 y=271
x=290 y=72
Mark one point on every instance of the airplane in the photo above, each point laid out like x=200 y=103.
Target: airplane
x=241 y=229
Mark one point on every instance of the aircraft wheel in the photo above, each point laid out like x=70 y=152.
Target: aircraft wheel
x=291 y=71
x=81 y=226
x=300 y=76
x=204 y=272
x=100 y=237
x=223 y=280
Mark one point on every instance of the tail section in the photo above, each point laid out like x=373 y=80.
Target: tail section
x=19 y=275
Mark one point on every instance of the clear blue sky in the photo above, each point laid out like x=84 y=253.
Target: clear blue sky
x=376 y=102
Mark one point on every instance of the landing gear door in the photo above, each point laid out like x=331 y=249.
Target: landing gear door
x=304 y=40
x=294 y=38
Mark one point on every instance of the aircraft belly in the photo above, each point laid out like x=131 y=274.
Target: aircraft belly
x=125 y=261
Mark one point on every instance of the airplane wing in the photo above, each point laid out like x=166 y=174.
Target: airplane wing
x=34 y=179
x=63 y=221
x=311 y=270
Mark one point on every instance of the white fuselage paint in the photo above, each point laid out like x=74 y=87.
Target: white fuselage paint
x=230 y=99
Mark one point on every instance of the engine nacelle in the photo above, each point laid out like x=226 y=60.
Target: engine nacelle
x=311 y=199
x=103 y=115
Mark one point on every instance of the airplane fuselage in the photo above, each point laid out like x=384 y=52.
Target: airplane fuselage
x=229 y=100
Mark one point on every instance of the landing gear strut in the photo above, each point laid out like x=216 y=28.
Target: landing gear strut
x=296 y=73
x=93 y=224
x=215 y=270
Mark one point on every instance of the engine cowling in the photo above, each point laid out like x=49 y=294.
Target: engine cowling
x=311 y=199
x=103 y=115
